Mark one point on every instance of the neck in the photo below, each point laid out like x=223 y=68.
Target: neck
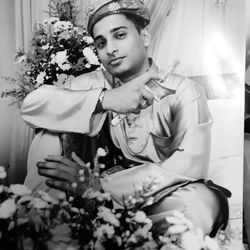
x=143 y=69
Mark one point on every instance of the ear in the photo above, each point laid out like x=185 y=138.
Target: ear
x=146 y=37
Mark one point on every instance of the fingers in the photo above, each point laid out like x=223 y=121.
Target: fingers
x=59 y=158
x=69 y=168
x=58 y=174
x=61 y=185
x=78 y=160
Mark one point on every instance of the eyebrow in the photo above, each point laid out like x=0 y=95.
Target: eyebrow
x=112 y=31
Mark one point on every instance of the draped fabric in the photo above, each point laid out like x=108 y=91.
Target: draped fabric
x=17 y=20
x=200 y=34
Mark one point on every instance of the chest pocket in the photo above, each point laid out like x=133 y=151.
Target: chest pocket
x=162 y=141
x=163 y=145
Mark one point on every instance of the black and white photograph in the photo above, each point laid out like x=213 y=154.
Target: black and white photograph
x=124 y=125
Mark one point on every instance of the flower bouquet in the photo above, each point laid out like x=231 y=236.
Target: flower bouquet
x=89 y=221
x=59 y=50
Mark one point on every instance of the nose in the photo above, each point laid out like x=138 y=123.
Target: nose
x=111 y=47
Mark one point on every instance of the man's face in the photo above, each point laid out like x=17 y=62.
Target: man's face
x=121 y=48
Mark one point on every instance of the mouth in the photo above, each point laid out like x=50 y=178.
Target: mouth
x=116 y=61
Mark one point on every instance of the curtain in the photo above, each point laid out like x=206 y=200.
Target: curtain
x=7 y=43
x=200 y=34
x=17 y=20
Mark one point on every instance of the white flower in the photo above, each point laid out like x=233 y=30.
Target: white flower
x=88 y=65
x=75 y=210
x=81 y=178
x=45 y=47
x=39 y=203
x=81 y=172
x=60 y=57
x=143 y=231
x=132 y=239
x=101 y=152
x=40 y=78
x=88 y=39
x=106 y=229
x=190 y=241
x=19 y=189
x=74 y=185
x=183 y=219
x=103 y=196
x=7 y=209
x=140 y=217
x=211 y=244
x=61 y=196
x=90 y=55
x=62 y=26
x=108 y=216
x=177 y=229
x=3 y=175
x=65 y=66
x=173 y=220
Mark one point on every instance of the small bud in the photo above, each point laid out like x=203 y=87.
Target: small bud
x=81 y=172
x=74 y=185
x=82 y=179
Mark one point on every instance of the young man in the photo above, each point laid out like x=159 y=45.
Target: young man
x=168 y=140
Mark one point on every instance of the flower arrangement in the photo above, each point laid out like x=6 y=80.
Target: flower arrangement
x=59 y=50
x=88 y=221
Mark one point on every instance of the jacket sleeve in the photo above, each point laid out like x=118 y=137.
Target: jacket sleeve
x=187 y=156
x=65 y=109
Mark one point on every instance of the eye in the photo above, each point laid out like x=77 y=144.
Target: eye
x=100 y=44
x=120 y=35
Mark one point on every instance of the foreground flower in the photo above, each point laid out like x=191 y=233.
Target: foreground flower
x=108 y=216
x=19 y=189
x=40 y=78
x=39 y=203
x=7 y=209
x=140 y=217
x=60 y=58
x=190 y=241
x=104 y=230
x=3 y=173
x=211 y=244
x=101 y=152
x=62 y=26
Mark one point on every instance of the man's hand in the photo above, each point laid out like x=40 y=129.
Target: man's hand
x=63 y=173
x=130 y=97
